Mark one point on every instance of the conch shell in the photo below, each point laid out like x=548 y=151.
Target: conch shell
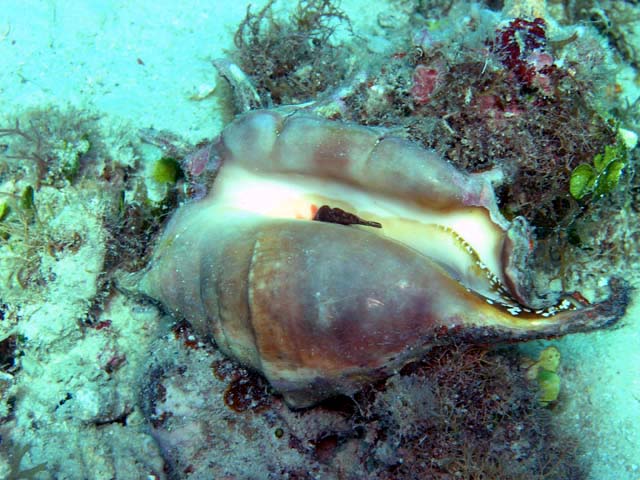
x=320 y=307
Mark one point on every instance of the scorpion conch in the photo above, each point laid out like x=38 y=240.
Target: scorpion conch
x=321 y=308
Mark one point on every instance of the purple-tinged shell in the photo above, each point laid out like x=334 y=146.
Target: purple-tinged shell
x=321 y=308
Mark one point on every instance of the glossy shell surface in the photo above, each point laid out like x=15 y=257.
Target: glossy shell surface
x=321 y=308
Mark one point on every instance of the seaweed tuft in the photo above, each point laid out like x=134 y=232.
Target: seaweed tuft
x=292 y=60
x=50 y=145
x=468 y=412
